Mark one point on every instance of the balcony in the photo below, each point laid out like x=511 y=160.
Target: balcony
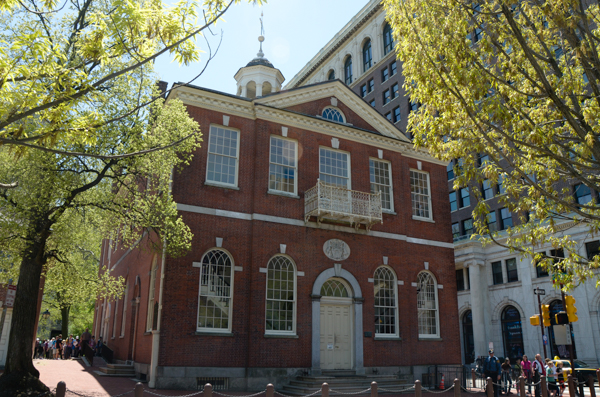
x=330 y=202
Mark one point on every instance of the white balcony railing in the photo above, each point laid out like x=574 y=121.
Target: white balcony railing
x=325 y=201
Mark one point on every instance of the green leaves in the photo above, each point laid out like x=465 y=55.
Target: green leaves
x=513 y=81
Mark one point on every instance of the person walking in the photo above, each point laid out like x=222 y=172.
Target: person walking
x=539 y=370
x=491 y=369
x=506 y=376
x=560 y=376
x=551 y=376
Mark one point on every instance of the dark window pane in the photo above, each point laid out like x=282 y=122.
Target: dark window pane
x=488 y=191
x=455 y=230
x=388 y=116
x=460 y=280
x=497 y=272
x=388 y=42
x=450 y=170
x=386 y=97
x=583 y=194
x=331 y=75
x=468 y=227
x=465 y=199
x=384 y=74
x=363 y=90
x=592 y=249
x=511 y=270
x=348 y=71
x=397 y=114
x=506 y=218
x=453 y=204
x=371 y=84
x=393 y=68
x=367 y=56
x=395 y=91
x=372 y=103
x=491 y=221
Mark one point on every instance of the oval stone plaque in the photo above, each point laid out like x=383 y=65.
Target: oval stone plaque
x=336 y=250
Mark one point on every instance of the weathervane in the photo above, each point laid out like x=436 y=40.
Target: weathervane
x=261 y=38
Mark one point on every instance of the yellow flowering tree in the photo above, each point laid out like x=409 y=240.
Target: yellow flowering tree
x=515 y=83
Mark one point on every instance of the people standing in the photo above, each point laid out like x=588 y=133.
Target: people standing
x=551 y=376
x=518 y=372
x=491 y=369
x=539 y=370
x=506 y=379
x=527 y=372
x=560 y=376
x=86 y=338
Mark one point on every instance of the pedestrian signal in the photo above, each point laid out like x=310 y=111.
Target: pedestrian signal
x=561 y=318
x=535 y=320
x=546 y=315
x=571 y=309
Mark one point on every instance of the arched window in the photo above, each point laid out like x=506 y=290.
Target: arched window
x=281 y=296
x=333 y=114
x=348 y=71
x=386 y=303
x=562 y=351
x=367 y=56
x=216 y=292
x=334 y=288
x=512 y=333
x=388 y=41
x=427 y=306
x=331 y=75
x=468 y=338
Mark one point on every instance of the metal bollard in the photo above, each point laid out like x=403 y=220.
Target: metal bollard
x=591 y=385
x=417 y=388
x=139 y=390
x=373 y=389
x=456 y=387
x=522 y=386
x=207 y=392
x=325 y=390
x=571 y=385
x=61 y=389
x=270 y=390
x=474 y=377
x=489 y=388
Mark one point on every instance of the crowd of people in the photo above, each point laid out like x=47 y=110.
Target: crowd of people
x=58 y=348
x=506 y=375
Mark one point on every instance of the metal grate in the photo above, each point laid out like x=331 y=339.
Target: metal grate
x=217 y=383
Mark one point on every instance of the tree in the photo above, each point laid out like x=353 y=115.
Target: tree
x=72 y=277
x=58 y=193
x=518 y=82
x=59 y=60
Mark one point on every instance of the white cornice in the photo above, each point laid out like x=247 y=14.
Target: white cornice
x=341 y=92
x=238 y=107
x=344 y=132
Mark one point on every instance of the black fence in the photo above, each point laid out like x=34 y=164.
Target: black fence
x=88 y=353
x=107 y=354
x=435 y=373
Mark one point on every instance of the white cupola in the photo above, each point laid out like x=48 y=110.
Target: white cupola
x=259 y=77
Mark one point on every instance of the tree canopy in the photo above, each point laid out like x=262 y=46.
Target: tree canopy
x=59 y=60
x=515 y=83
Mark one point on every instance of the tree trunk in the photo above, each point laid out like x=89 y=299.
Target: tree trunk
x=19 y=373
x=64 y=314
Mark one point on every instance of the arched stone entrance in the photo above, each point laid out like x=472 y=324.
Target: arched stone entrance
x=355 y=300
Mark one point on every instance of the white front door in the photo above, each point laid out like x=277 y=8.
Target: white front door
x=336 y=335
x=5 y=335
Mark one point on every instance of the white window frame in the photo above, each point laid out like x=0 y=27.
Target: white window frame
x=124 y=314
x=337 y=110
x=391 y=185
x=437 y=308
x=349 y=164
x=396 y=316
x=279 y=332
x=430 y=218
x=151 y=295
x=237 y=159
x=282 y=192
x=231 y=295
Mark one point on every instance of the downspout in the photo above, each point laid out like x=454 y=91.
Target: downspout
x=156 y=332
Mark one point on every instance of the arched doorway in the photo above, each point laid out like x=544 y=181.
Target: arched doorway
x=558 y=350
x=512 y=333
x=340 y=295
x=336 y=325
x=468 y=339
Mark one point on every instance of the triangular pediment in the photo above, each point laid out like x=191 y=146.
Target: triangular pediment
x=334 y=89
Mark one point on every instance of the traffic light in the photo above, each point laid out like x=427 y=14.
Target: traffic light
x=535 y=320
x=546 y=315
x=561 y=318
x=571 y=309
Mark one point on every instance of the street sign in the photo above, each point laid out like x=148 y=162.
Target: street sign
x=10 y=295
x=568 y=335
x=539 y=291
x=545 y=339
x=491 y=344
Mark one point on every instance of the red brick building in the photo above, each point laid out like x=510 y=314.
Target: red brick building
x=322 y=241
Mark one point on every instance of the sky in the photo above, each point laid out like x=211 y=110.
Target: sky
x=294 y=30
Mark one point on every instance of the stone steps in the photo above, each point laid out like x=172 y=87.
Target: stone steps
x=346 y=383
x=121 y=370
